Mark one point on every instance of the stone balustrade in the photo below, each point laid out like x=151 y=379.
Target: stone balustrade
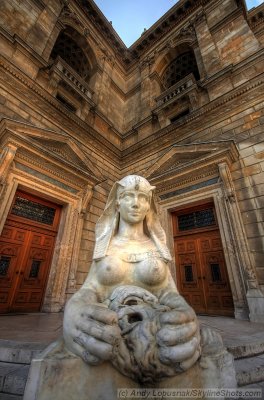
x=176 y=90
x=72 y=78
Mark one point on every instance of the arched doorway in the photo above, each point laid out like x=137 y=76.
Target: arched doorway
x=26 y=249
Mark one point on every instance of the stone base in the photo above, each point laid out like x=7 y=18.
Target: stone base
x=255 y=300
x=59 y=375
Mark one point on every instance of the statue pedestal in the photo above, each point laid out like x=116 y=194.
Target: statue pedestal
x=58 y=375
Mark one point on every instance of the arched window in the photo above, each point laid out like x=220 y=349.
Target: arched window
x=71 y=53
x=183 y=65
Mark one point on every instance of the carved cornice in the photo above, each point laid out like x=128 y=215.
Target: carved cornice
x=196 y=162
x=180 y=187
x=256 y=16
x=94 y=14
x=35 y=147
x=182 y=10
x=25 y=157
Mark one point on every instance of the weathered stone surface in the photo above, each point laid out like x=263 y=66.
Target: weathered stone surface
x=120 y=129
x=51 y=376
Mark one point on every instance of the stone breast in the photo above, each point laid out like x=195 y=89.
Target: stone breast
x=151 y=271
x=111 y=270
x=147 y=268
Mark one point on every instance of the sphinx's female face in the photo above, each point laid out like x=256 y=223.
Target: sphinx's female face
x=133 y=206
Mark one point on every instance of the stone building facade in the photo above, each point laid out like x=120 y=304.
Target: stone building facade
x=183 y=106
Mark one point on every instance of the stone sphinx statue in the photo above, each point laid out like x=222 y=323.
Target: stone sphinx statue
x=128 y=327
x=129 y=311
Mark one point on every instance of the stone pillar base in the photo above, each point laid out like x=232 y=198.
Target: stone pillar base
x=59 y=375
x=255 y=300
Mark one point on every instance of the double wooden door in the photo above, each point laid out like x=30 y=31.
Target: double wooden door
x=202 y=276
x=26 y=249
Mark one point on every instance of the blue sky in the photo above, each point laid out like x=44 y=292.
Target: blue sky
x=130 y=17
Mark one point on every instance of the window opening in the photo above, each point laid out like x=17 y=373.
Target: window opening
x=179 y=68
x=69 y=51
x=196 y=219
x=34 y=211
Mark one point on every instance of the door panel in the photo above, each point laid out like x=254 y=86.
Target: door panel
x=189 y=272
x=26 y=249
x=200 y=265
x=34 y=276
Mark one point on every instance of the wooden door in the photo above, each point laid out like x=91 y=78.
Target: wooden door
x=26 y=249
x=201 y=270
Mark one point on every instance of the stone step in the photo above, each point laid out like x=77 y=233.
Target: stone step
x=6 y=396
x=246 y=350
x=257 y=385
x=250 y=370
x=19 y=352
x=13 y=378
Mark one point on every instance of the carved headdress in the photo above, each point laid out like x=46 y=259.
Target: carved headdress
x=107 y=224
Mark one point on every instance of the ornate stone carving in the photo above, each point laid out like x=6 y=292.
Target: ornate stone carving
x=147 y=61
x=129 y=311
x=67 y=13
x=187 y=32
x=199 y=18
x=237 y=225
x=6 y=159
x=229 y=188
x=86 y=197
x=139 y=315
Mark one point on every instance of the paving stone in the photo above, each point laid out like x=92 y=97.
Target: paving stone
x=5 y=369
x=17 y=352
x=15 y=381
x=249 y=370
x=6 y=396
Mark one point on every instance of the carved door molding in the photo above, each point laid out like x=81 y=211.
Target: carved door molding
x=62 y=174
x=26 y=249
x=232 y=253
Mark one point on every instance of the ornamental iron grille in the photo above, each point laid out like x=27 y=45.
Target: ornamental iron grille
x=71 y=53
x=196 y=219
x=4 y=265
x=34 y=211
x=179 y=68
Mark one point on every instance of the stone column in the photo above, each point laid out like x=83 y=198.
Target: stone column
x=62 y=261
x=145 y=97
x=208 y=49
x=254 y=295
x=86 y=197
x=103 y=89
x=6 y=160
x=39 y=34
